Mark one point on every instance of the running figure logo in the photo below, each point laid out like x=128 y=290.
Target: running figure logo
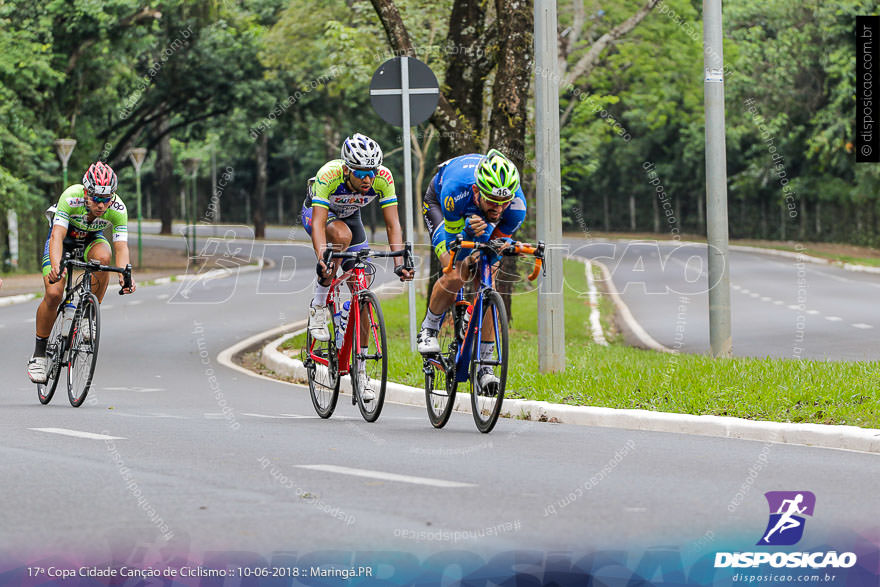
x=787 y=508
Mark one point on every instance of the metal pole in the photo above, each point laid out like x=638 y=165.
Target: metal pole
x=408 y=196
x=192 y=213
x=64 y=166
x=551 y=320
x=140 y=220
x=716 y=182
x=214 y=199
x=137 y=156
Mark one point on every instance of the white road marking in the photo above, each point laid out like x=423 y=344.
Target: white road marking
x=162 y=296
x=796 y=307
x=106 y=306
x=778 y=302
x=833 y=318
x=812 y=312
x=754 y=295
x=745 y=291
x=862 y=326
x=284 y=416
x=386 y=476
x=765 y=299
x=595 y=323
x=135 y=302
x=78 y=433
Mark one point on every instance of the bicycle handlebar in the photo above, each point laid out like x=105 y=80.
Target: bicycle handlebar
x=364 y=254
x=495 y=246
x=96 y=266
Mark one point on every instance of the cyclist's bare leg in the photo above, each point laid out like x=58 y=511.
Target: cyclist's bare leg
x=49 y=306
x=339 y=235
x=100 y=252
x=448 y=284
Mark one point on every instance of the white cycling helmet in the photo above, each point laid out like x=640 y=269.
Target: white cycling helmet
x=361 y=152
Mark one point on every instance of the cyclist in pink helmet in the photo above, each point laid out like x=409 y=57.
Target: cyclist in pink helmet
x=77 y=223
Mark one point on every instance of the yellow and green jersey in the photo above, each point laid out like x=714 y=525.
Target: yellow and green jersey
x=330 y=191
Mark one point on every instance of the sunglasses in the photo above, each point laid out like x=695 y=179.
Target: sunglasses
x=362 y=173
x=102 y=200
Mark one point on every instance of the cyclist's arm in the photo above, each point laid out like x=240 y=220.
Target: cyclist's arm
x=319 y=229
x=56 y=249
x=392 y=228
x=123 y=258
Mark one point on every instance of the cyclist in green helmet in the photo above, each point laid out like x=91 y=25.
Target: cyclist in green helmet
x=480 y=198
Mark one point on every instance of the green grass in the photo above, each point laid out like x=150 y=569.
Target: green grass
x=619 y=376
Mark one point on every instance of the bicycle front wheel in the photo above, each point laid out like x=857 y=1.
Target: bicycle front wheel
x=83 y=349
x=489 y=365
x=322 y=369
x=369 y=358
x=440 y=383
x=55 y=348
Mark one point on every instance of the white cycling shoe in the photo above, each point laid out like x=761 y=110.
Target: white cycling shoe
x=366 y=390
x=85 y=329
x=318 y=323
x=38 y=369
x=488 y=381
x=427 y=341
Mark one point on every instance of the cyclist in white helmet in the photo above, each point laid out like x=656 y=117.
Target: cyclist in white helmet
x=331 y=215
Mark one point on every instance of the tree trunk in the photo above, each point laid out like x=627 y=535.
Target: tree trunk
x=510 y=97
x=802 y=227
x=763 y=218
x=261 y=149
x=782 y=221
x=632 y=212
x=606 y=211
x=164 y=176
x=701 y=214
x=655 y=205
x=818 y=217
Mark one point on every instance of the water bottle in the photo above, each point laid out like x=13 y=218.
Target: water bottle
x=69 y=311
x=465 y=320
x=340 y=319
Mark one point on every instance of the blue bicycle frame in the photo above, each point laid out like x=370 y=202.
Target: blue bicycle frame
x=475 y=327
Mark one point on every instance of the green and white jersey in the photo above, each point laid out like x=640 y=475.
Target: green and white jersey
x=71 y=213
x=330 y=191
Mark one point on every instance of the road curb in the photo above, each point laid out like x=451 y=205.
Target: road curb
x=626 y=316
x=815 y=435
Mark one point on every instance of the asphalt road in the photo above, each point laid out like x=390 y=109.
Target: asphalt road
x=780 y=307
x=196 y=458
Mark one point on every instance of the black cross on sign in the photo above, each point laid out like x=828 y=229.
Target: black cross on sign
x=404 y=91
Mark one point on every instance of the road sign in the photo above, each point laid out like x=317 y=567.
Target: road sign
x=400 y=81
x=404 y=92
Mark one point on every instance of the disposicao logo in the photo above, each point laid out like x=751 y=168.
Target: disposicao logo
x=787 y=511
x=786 y=528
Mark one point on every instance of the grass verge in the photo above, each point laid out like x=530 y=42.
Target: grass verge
x=619 y=376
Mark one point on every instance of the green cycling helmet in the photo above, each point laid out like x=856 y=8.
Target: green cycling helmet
x=497 y=177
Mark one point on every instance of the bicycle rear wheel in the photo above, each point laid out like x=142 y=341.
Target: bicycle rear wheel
x=440 y=383
x=371 y=355
x=486 y=401
x=55 y=348
x=322 y=369
x=83 y=352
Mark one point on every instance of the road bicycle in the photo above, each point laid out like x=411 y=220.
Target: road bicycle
x=461 y=358
x=69 y=344
x=327 y=362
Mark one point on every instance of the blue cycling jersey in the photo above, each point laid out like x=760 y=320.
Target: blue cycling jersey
x=453 y=185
